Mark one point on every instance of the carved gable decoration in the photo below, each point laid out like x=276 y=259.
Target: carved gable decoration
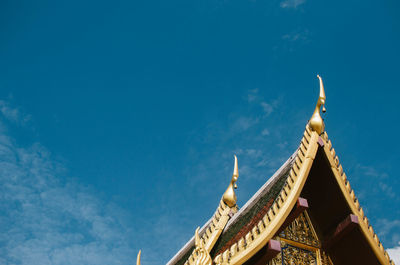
x=300 y=244
x=301 y=231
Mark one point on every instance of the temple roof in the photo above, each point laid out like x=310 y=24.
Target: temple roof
x=265 y=194
x=234 y=236
x=261 y=217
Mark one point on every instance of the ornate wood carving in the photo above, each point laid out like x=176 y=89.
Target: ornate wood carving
x=301 y=231
x=300 y=245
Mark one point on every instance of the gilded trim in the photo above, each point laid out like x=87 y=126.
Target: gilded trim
x=353 y=202
x=213 y=231
x=316 y=122
x=229 y=196
x=254 y=240
x=300 y=245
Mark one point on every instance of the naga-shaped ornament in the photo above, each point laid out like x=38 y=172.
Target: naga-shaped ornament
x=316 y=122
x=202 y=255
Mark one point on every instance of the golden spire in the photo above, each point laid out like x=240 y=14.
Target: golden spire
x=229 y=195
x=316 y=122
x=138 y=258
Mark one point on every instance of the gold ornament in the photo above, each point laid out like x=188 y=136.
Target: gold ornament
x=229 y=196
x=138 y=258
x=316 y=122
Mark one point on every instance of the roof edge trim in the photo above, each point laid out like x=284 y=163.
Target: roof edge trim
x=254 y=240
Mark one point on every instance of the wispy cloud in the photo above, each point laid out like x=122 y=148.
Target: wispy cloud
x=254 y=98
x=394 y=253
x=292 y=3
x=388 y=190
x=265 y=132
x=13 y=114
x=379 y=178
x=252 y=95
x=296 y=36
x=49 y=221
x=294 y=40
x=371 y=171
x=389 y=230
x=267 y=108
x=243 y=123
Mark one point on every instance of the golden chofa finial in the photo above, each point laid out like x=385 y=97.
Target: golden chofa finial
x=229 y=196
x=316 y=122
x=138 y=258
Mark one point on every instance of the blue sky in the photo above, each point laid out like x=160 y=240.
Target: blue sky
x=119 y=121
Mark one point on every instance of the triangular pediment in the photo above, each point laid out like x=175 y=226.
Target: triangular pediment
x=338 y=218
x=334 y=227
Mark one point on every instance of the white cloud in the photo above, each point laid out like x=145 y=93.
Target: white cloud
x=294 y=40
x=297 y=36
x=252 y=95
x=388 y=190
x=265 y=132
x=268 y=108
x=292 y=3
x=13 y=114
x=253 y=98
x=264 y=162
x=387 y=230
x=45 y=221
x=243 y=123
x=293 y=37
x=370 y=171
x=380 y=178
x=254 y=153
x=394 y=254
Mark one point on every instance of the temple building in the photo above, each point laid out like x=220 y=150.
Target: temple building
x=306 y=213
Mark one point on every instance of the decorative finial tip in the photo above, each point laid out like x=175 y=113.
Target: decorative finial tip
x=235 y=168
x=321 y=89
x=138 y=258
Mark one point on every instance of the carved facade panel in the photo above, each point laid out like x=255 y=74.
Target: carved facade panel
x=300 y=245
x=296 y=255
x=325 y=260
x=301 y=231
